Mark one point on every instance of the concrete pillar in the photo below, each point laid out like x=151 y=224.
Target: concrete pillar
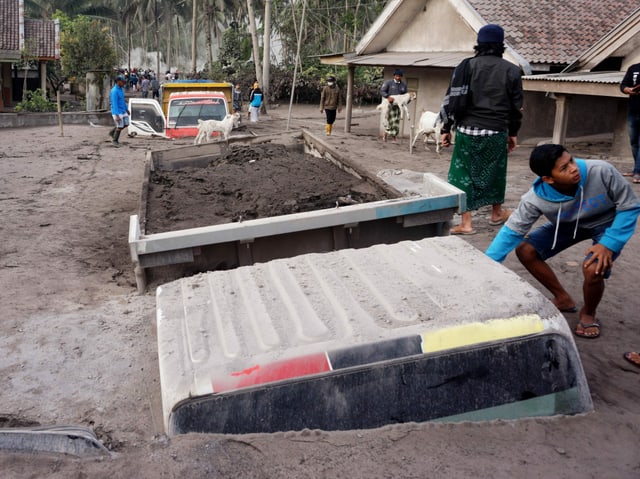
x=620 y=146
x=43 y=77
x=97 y=90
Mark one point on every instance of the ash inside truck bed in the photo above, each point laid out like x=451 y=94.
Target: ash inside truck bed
x=249 y=182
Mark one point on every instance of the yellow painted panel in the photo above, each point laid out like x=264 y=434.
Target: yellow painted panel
x=473 y=333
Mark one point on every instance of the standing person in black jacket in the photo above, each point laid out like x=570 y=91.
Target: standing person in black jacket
x=630 y=85
x=395 y=86
x=487 y=127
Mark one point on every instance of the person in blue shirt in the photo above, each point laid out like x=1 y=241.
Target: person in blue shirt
x=581 y=200
x=255 y=102
x=119 y=110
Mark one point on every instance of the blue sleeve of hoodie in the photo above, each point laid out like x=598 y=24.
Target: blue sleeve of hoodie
x=504 y=242
x=621 y=230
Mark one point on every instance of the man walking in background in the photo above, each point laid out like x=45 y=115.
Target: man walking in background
x=119 y=110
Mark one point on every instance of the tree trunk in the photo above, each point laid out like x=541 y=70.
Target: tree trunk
x=266 y=61
x=254 y=41
x=210 y=13
x=194 y=36
x=155 y=6
x=295 y=68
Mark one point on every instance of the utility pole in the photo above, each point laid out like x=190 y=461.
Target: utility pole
x=155 y=7
x=266 y=63
x=194 y=37
x=295 y=68
x=254 y=41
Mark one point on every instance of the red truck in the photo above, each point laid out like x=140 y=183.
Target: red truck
x=182 y=104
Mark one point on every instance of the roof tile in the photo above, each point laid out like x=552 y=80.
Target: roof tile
x=9 y=25
x=548 y=31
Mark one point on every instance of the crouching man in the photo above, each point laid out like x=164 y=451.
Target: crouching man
x=582 y=200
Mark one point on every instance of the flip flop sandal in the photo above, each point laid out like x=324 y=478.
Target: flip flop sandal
x=628 y=356
x=505 y=217
x=457 y=231
x=585 y=326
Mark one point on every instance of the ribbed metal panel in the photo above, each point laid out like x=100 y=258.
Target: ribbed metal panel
x=223 y=323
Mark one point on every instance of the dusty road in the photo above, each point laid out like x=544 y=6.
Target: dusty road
x=77 y=343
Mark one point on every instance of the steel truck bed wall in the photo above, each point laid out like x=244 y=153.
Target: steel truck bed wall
x=424 y=212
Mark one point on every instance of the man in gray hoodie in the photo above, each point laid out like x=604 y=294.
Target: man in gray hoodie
x=582 y=200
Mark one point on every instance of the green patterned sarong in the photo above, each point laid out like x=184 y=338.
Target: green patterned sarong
x=393 y=120
x=479 y=168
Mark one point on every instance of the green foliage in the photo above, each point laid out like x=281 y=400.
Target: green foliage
x=66 y=24
x=86 y=46
x=35 y=101
x=235 y=50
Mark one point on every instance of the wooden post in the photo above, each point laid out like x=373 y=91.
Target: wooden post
x=562 y=115
x=59 y=102
x=349 y=100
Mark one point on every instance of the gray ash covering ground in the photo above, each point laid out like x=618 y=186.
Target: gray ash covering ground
x=249 y=182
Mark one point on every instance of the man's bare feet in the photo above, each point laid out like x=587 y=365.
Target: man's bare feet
x=499 y=217
x=633 y=358
x=565 y=305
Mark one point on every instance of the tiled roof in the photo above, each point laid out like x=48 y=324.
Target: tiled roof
x=552 y=31
x=39 y=35
x=40 y=38
x=9 y=24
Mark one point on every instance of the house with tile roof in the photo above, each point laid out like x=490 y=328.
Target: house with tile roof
x=428 y=38
x=39 y=38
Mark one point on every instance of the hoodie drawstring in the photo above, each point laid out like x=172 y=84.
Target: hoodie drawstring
x=555 y=234
x=575 y=230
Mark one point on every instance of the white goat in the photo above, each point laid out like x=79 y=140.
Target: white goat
x=401 y=100
x=207 y=127
x=430 y=127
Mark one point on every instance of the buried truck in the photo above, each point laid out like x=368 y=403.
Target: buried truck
x=350 y=317
x=182 y=103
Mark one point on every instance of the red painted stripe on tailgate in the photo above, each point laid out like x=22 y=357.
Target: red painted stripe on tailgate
x=272 y=372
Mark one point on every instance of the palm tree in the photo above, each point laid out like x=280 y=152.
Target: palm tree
x=46 y=8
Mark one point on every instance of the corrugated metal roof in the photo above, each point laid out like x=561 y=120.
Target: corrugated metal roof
x=409 y=59
x=578 y=83
x=581 y=77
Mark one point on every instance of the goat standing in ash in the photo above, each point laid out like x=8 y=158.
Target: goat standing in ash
x=429 y=126
x=207 y=127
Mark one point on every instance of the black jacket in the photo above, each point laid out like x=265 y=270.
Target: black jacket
x=631 y=79
x=390 y=87
x=495 y=96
